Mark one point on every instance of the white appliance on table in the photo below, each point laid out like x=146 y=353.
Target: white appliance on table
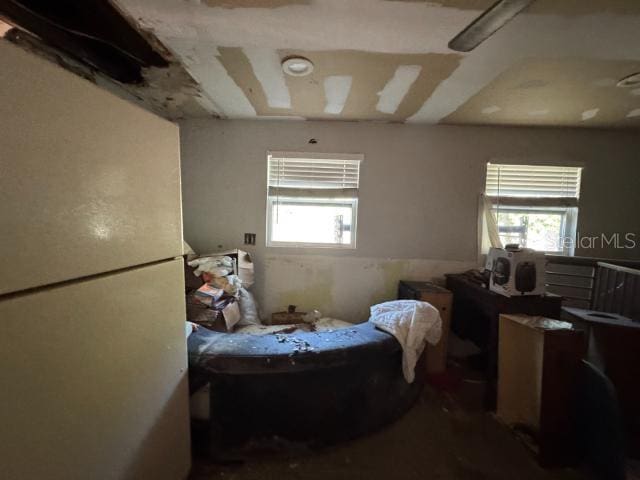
x=92 y=345
x=516 y=271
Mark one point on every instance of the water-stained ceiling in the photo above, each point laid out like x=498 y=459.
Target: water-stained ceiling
x=555 y=64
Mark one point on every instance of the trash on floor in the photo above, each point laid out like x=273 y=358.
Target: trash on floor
x=218 y=299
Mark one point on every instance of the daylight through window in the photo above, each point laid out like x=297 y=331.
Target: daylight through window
x=536 y=206
x=312 y=200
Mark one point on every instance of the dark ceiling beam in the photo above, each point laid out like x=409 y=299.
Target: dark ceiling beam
x=92 y=31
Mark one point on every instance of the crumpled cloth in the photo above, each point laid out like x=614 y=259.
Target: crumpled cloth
x=216 y=266
x=217 y=272
x=413 y=323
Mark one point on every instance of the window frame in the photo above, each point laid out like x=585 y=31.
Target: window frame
x=542 y=204
x=568 y=227
x=273 y=200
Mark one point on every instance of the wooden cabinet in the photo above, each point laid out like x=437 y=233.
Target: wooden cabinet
x=442 y=299
x=539 y=364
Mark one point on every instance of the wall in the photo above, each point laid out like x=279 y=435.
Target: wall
x=418 y=201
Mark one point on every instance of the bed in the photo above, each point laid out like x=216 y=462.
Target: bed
x=311 y=388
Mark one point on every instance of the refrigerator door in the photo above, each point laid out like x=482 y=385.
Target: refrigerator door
x=89 y=183
x=93 y=379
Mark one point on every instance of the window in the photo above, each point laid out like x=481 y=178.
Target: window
x=312 y=200
x=536 y=206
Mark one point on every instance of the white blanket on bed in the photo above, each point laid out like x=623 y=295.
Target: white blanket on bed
x=413 y=323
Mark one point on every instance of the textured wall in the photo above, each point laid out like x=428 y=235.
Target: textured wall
x=418 y=203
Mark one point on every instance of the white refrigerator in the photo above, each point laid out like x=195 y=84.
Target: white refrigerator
x=93 y=358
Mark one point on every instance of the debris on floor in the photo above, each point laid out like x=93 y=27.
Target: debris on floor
x=438 y=438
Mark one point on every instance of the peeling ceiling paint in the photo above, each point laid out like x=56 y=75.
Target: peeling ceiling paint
x=388 y=60
x=169 y=92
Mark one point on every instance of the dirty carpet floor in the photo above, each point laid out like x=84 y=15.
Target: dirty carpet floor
x=436 y=439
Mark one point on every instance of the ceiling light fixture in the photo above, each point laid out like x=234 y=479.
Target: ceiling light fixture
x=493 y=19
x=632 y=80
x=297 y=66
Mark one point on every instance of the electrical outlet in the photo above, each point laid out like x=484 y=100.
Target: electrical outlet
x=249 y=238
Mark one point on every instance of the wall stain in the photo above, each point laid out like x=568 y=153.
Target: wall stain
x=392 y=272
x=317 y=295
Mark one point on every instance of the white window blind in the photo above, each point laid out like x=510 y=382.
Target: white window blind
x=299 y=176
x=533 y=184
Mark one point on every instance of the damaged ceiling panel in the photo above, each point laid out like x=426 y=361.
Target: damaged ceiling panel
x=383 y=60
x=388 y=60
x=348 y=85
x=373 y=59
x=91 y=31
x=97 y=41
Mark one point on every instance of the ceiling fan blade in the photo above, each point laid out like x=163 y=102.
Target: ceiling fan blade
x=494 y=18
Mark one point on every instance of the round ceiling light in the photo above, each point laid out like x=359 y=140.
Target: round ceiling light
x=297 y=66
x=632 y=80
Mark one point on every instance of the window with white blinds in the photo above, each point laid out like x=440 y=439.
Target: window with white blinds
x=312 y=199
x=305 y=176
x=534 y=182
x=534 y=206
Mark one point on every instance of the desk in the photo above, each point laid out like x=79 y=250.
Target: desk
x=475 y=317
